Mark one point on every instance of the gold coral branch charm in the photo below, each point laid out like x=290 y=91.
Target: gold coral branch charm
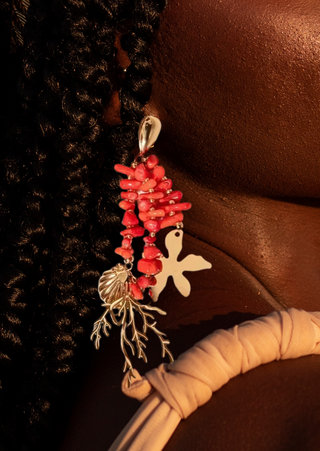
x=120 y=305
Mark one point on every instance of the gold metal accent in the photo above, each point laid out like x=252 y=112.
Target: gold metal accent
x=119 y=303
x=148 y=133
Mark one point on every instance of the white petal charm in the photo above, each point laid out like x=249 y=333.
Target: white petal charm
x=171 y=267
x=148 y=133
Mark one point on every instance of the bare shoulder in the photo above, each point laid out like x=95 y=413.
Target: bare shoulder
x=275 y=407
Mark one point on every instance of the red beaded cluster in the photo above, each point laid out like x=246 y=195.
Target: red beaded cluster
x=159 y=207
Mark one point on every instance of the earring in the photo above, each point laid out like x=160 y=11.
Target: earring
x=159 y=207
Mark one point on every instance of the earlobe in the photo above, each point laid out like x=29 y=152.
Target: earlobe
x=121 y=58
x=151 y=109
x=112 y=115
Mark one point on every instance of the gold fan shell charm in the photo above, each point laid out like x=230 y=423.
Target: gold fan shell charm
x=112 y=283
x=120 y=304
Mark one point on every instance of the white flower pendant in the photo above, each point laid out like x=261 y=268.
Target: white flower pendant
x=172 y=267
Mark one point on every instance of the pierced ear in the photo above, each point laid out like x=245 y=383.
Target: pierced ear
x=112 y=113
x=121 y=59
x=151 y=109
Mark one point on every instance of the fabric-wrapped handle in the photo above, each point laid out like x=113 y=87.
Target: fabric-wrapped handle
x=172 y=392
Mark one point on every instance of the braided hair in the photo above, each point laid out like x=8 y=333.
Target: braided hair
x=59 y=195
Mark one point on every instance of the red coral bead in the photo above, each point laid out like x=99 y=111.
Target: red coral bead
x=144 y=205
x=143 y=282
x=152 y=214
x=126 y=205
x=130 y=184
x=151 y=252
x=152 y=225
x=125 y=253
x=129 y=195
x=135 y=291
x=175 y=195
x=158 y=173
x=150 y=184
x=150 y=239
x=152 y=161
x=133 y=231
x=152 y=281
x=143 y=216
x=150 y=196
x=126 y=243
x=130 y=219
x=164 y=185
x=149 y=266
x=177 y=207
x=141 y=173
x=171 y=220
x=124 y=169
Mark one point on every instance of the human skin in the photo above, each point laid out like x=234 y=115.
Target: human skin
x=237 y=89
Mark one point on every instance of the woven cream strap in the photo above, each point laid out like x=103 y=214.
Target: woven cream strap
x=172 y=392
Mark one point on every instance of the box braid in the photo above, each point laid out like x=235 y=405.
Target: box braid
x=22 y=232
x=59 y=197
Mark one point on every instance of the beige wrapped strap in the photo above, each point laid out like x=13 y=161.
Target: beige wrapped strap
x=174 y=391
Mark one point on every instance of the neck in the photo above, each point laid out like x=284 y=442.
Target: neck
x=277 y=241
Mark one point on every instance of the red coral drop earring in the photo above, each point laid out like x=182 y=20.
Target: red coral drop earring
x=159 y=207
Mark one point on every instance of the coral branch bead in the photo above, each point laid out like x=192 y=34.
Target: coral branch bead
x=151 y=252
x=156 y=196
x=125 y=253
x=126 y=243
x=150 y=184
x=130 y=219
x=143 y=216
x=133 y=231
x=152 y=281
x=124 y=170
x=152 y=225
x=126 y=205
x=175 y=195
x=171 y=220
x=144 y=205
x=158 y=173
x=177 y=207
x=150 y=267
x=145 y=282
x=141 y=173
x=152 y=214
x=164 y=185
x=130 y=184
x=152 y=161
x=130 y=195
x=135 y=291
x=149 y=239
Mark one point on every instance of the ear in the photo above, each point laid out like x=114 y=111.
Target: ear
x=112 y=112
x=122 y=59
x=151 y=109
